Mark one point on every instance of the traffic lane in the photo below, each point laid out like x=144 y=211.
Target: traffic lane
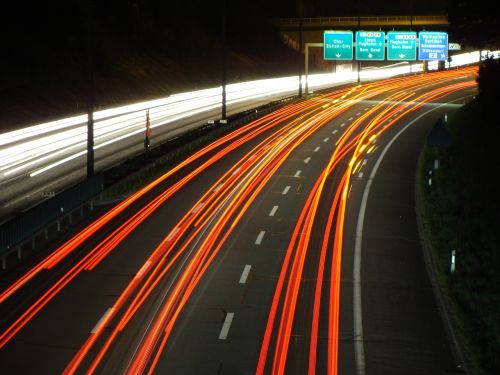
x=324 y=139
x=126 y=260
x=22 y=191
x=185 y=361
x=195 y=346
x=402 y=329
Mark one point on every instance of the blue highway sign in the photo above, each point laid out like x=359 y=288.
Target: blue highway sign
x=432 y=45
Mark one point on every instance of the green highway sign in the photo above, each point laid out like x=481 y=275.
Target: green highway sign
x=370 y=45
x=401 y=45
x=337 y=45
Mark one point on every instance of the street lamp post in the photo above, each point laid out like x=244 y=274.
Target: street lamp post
x=90 y=93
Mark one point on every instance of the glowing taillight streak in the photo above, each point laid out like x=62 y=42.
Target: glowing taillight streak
x=121 y=325
x=279 y=368
x=233 y=222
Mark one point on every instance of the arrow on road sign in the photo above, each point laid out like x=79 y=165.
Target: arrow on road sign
x=401 y=55
x=370 y=55
x=338 y=55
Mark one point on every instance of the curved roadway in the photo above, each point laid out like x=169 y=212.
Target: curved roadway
x=289 y=246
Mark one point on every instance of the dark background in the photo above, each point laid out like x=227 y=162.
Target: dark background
x=143 y=49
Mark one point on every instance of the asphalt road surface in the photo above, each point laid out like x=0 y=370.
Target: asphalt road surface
x=291 y=247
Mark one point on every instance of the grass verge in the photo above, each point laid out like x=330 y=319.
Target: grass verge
x=454 y=218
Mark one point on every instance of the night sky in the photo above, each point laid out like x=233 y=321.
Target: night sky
x=45 y=44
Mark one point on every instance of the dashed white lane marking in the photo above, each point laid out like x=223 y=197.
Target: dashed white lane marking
x=335 y=131
x=342 y=125
x=364 y=161
x=326 y=139
x=297 y=174
x=285 y=190
x=273 y=211
x=307 y=160
x=366 y=109
x=360 y=175
x=102 y=320
x=359 y=349
x=226 y=325
x=258 y=241
x=317 y=149
x=350 y=118
x=357 y=114
x=244 y=274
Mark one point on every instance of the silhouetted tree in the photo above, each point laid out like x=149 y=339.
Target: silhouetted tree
x=475 y=23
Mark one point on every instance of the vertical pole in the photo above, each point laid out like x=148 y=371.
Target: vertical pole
x=359 y=26
x=306 y=70
x=90 y=97
x=300 y=50
x=411 y=25
x=224 y=62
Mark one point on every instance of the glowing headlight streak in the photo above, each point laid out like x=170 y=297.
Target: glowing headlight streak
x=317 y=118
x=171 y=109
x=102 y=250
x=69 y=246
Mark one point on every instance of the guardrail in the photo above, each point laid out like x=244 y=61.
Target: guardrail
x=26 y=226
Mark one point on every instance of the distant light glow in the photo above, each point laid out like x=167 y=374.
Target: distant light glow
x=39 y=148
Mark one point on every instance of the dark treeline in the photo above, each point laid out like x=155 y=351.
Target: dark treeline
x=473 y=160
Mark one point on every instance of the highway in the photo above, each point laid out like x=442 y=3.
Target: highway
x=40 y=160
x=289 y=246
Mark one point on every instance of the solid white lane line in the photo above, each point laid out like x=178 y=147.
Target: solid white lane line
x=297 y=174
x=102 y=320
x=285 y=190
x=244 y=274
x=258 y=241
x=326 y=139
x=273 y=211
x=359 y=348
x=317 y=149
x=307 y=160
x=226 y=325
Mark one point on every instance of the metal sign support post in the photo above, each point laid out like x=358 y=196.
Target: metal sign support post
x=307 y=45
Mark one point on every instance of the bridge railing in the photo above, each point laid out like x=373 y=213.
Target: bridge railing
x=440 y=19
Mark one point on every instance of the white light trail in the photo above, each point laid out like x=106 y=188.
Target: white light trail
x=39 y=148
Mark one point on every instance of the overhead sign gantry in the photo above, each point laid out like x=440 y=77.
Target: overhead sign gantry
x=371 y=45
